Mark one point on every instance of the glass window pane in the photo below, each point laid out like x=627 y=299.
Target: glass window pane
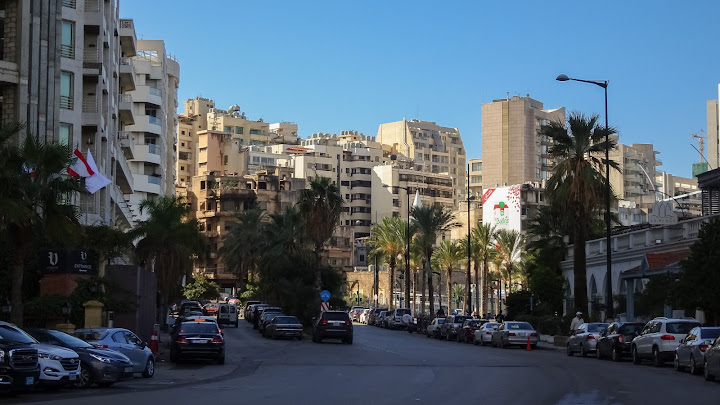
x=65 y=84
x=67 y=33
x=65 y=135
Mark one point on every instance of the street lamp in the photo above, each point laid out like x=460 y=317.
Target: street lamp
x=407 y=246
x=66 y=309
x=608 y=276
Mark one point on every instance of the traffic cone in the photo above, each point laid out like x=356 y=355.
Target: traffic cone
x=528 y=348
x=154 y=340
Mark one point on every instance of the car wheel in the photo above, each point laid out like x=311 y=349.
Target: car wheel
x=597 y=354
x=568 y=350
x=676 y=363
x=502 y=344
x=615 y=354
x=106 y=384
x=350 y=340
x=85 y=377
x=533 y=346
x=657 y=361
x=706 y=372
x=693 y=366
x=636 y=356
x=149 y=368
x=583 y=352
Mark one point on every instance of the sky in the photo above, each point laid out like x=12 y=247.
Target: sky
x=338 y=65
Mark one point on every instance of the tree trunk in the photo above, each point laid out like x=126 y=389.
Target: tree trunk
x=431 y=292
x=448 y=289
x=580 y=267
x=392 y=285
x=478 y=308
x=423 y=280
x=18 y=271
x=407 y=280
x=318 y=278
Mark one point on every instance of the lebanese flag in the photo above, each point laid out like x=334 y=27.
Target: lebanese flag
x=79 y=166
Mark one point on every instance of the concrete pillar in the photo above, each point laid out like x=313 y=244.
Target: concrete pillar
x=65 y=327
x=93 y=314
x=630 y=298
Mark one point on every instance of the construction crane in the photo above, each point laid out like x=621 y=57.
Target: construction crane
x=701 y=141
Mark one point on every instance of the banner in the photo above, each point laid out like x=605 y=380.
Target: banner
x=62 y=261
x=501 y=207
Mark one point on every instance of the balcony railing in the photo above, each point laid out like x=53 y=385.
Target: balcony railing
x=67 y=103
x=126 y=98
x=156 y=92
x=92 y=5
x=69 y=3
x=89 y=105
x=154 y=120
x=154 y=149
x=126 y=24
x=67 y=51
x=153 y=179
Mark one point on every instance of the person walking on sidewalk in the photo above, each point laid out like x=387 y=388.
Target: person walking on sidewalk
x=500 y=317
x=576 y=322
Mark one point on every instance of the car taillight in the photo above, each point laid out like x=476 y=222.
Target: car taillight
x=533 y=334
x=511 y=334
x=348 y=323
x=181 y=339
x=488 y=333
x=590 y=337
x=219 y=330
x=703 y=348
x=217 y=339
x=667 y=337
x=621 y=338
x=324 y=321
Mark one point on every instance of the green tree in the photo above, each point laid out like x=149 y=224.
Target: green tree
x=320 y=205
x=240 y=248
x=547 y=289
x=510 y=248
x=35 y=201
x=202 y=289
x=432 y=221
x=446 y=256
x=168 y=241
x=387 y=239
x=546 y=231
x=482 y=243
x=577 y=186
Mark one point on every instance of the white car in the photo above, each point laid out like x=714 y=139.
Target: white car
x=433 y=330
x=364 y=316
x=659 y=339
x=398 y=318
x=483 y=335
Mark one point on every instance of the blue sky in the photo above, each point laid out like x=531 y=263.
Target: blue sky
x=342 y=65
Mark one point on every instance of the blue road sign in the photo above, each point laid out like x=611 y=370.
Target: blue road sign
x=325 y=295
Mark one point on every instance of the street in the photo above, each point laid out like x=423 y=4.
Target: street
x=393 y=367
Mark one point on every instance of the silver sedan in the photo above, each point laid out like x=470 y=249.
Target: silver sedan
x=584 y=340
x=690 y=352
x=484 y=334
x=514 y=333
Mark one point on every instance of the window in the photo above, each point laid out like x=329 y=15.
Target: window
x=182 y=167
x=238 y=130
x=226 y=159
x=67 y=40
x=65 y=135
x=476 y=166
x=183 y=155
x=66 y=95
x=182 y=143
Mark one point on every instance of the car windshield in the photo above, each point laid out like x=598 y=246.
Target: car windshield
x=460 y=319
x=596 y=327
x=335 y=316
x=10 y=335
x=401 y=312
x=270 y=315
x=71 y=341
x=287 y=320
x=518 y=325
x=198 y=327
x=87 y=335
x=491 y=325
x=710 y=333
x=631 y=329
x=473 y=324
x=680 y=327
x=378 y=311
x=440 y=321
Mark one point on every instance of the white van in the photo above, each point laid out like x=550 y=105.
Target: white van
x=227 y=314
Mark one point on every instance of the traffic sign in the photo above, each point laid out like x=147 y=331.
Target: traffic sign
x=325 y=295
x=324 y=306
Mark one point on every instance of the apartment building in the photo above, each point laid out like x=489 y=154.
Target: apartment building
x=433 y=149
x=633 y=182
x=30 y=64
x=683 y=192
x=713 y=133
x=475 y=178
x=513 y=151
x=152 y=136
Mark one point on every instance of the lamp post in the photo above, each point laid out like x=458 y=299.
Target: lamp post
x=468 y=298
x=407 y=245
x=608 y=276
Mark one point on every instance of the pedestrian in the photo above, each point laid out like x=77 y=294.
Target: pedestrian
x=576 y=322
x=440 y=313
x=500 y=317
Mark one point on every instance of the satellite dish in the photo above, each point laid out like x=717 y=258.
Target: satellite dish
x=393 y=157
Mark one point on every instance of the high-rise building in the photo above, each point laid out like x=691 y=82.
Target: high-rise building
x=30 y=64
x=513 y=151
x=634 y=181
x=476 y=179
x=431 y=147
x=154 y=101
x=713 y=132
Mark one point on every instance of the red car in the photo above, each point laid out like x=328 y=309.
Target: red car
x=468 y=330
x=210 y=309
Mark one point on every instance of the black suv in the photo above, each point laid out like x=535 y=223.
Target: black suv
x=19 y=367
x=333 y=325
x=453 y=324
x=198 y=340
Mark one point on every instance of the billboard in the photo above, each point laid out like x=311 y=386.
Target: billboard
x=62 y=261
x=501 y=207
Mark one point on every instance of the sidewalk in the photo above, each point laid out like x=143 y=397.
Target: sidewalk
x=549 y=346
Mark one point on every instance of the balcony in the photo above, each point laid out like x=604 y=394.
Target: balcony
x=127 y=144
x=145 y=123
x=127 y=74
x=67 y=103
x=148 y=153
x=92 y=64
x=90 y=113
x=125 y=109
x=147 y=94
x=69 y=3
x=147 y=184
x=67 y=51
x=122 y=206
x=128 y=38
x=124 y=177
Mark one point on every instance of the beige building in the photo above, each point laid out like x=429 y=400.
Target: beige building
x=513 y=151
x=431 y=148
x=638 y=165
x=713 y=132
x=475 y=178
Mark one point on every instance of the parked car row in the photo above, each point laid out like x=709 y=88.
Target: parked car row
x=399 y=318
x=49 y=358
x=272 y=322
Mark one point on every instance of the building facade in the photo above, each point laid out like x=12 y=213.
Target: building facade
x=713 y=133
x=475 y=178
x=513 y=151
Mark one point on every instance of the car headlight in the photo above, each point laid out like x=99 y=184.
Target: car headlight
x=50 y=356
x=101 y=358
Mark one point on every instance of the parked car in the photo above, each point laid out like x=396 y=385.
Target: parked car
x=198 y=339
x=123 y=341
x=364 y=316
x=382 y=319
x=584 y=339
x=483 y=334
x=355 y=313
x=262 y=320
x=189 y=317
x=227 y=315
x=256 y=311
x=210 y=308
x=333 y=325
x=284 y=326
x=20 y=366
x=188 y=306
x=452 y=325
x=103 y=367
x=398 y=319
x=691 y=350
x=266 y=318
x=659 y=339
x=246 y=309
x=616 y=341
x=514 y=333
x=433 y=330
x=466 y=334
x=711 y=361
x=374 y=315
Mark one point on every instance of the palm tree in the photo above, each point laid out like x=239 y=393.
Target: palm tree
x=510 y=248
x=432 y=221
x=482 y=242
x=320 y=205
x=34 y=200
x=240 y=248
x=387 y=238
x=447 y=255
x=167 y=242
x=458 y=291
x=417 y=262
x=577 y=186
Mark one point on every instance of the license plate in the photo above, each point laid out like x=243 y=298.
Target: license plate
x=72 y=377
x=128 y=369
x=29 y=380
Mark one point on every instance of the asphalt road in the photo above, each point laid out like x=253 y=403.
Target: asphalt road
x=394 y=367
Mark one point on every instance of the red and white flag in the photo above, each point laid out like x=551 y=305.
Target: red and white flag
x=79 y=166
x=97 y=180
